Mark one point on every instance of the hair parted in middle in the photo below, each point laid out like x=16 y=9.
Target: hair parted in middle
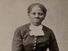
x=43 y=8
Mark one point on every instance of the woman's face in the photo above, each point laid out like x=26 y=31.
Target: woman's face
x=36 y=15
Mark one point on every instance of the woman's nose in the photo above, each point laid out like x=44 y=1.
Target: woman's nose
x=36 y=15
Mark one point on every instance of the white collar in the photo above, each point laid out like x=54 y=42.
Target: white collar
x=32 y=27
x=36 y=30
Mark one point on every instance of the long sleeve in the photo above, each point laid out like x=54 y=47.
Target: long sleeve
x=53 y=43
x=17 y=44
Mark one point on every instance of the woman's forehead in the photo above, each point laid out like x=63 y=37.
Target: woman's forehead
x=36 y=8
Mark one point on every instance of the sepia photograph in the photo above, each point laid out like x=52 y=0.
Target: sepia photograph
x=33 y=25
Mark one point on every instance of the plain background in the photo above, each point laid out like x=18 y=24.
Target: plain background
x=13 y=13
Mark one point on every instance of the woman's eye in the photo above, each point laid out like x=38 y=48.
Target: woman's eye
x=33 y=13
x=40 y=13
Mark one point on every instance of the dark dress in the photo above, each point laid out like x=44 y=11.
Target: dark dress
x=23 y=41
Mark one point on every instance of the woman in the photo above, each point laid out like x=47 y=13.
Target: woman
x=34 y=36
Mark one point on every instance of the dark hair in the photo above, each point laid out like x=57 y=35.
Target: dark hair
x=37 y=4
